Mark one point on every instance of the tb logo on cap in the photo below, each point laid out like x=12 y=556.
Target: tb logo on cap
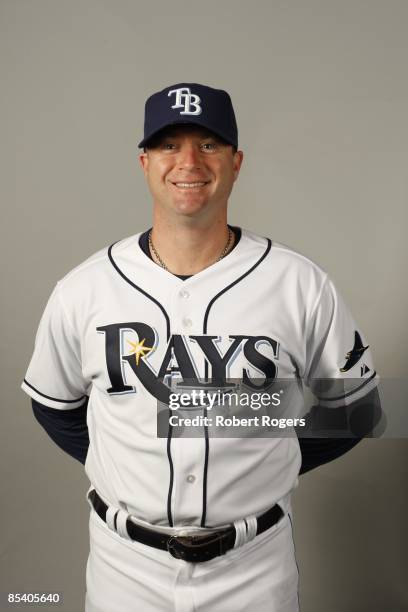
x=190 y=101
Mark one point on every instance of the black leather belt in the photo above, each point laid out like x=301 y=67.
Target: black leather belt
x=194 y=548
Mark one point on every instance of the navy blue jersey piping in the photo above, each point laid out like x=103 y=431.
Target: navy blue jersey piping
x=205 y=327
x=166 y=316
x=54 y=399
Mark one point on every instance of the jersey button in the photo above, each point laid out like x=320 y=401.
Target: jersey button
x=191 y=478
x=184 y=294
x=187 y=322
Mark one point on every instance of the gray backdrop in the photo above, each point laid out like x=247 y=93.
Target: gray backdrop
x=320 y=90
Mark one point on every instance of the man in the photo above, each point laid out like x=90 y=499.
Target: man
x=200 y=523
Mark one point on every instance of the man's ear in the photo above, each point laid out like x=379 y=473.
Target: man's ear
x=144 y=161
x=238 y=157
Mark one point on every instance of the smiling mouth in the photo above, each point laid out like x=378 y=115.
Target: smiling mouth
x=191 y=185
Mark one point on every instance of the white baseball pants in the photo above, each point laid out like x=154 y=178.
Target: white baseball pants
x=127 y=576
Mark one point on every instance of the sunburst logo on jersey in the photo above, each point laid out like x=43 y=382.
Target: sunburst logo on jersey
x=139 y=349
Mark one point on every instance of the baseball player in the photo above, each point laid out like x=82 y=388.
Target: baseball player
x=190 y=524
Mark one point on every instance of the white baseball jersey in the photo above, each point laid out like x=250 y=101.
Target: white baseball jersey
x=119 y=323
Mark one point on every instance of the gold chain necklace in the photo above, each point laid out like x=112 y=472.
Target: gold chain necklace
x=163 y=265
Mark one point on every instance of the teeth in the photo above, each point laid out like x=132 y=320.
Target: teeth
x=190 y=184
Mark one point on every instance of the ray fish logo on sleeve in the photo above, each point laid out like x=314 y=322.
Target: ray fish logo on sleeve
x=187 y=100
x=355 y=354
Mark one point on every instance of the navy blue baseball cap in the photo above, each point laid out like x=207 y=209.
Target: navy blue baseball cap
x=191 y=103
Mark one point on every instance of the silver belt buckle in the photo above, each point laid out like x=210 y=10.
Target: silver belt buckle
x=175 y=546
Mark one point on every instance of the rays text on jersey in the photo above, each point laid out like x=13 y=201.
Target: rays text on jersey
x=178 y=361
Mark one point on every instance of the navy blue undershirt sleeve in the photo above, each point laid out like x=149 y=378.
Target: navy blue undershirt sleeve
x=367 y=414
x=69 y=430
x=317 y=451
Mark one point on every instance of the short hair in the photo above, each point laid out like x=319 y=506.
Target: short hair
x=155 y=140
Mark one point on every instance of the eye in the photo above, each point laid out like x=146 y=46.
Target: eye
x=168 y=146
x=209 y=146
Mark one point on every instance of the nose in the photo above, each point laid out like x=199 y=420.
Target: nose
x=189 y=157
